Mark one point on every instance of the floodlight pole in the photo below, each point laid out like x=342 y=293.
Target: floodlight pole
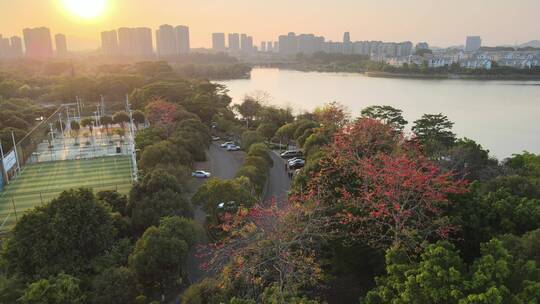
x=132 y=140
x=2 y=160
x=16 y=153
x=102 y=105
x=79 y=108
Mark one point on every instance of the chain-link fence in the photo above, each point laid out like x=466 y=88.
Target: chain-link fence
x=55 y=150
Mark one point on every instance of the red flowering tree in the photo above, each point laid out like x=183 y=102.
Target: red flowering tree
x=399 y=201
x=267 y=245
x=162 y=115
x=380 y=190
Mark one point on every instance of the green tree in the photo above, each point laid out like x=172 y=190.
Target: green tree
x=158 y=260
x=62 y=236
x=387 y=114
x=114 y=286
x=117 y=201
x=158 y=194
x=138 y=117
x=207 y=291
x=181 y=228
x=217 y=191
x=441 y=277
x=249 y=138
x=469 y=160
x=267 y=130
x=120 y=118
x=434 y=132
x=248 y=109
x=57 y=290
x=164 y=152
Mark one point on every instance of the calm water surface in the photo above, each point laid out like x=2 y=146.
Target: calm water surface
x=503 y=116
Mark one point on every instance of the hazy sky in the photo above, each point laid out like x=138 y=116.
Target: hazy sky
x=441 y=23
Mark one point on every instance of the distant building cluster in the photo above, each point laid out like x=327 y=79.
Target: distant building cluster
x=173 y=41
x=308 y=44
x=138 y=42
x=236 y=43
x=472 y=56
x=38 y=44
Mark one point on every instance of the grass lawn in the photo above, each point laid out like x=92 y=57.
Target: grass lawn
x=44 y=181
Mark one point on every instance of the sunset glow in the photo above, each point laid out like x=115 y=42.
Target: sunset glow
x=86 y=9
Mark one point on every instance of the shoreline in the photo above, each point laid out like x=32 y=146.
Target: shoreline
x=419 y=76
x=451 y=76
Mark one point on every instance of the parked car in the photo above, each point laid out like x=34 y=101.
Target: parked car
x=294 y=159
x=227 y=207
x=297 y=161
x=216 y=138
x=291 y=154
x=233 y=148
x=297 y=164
x=201 y=174
x=226 y=144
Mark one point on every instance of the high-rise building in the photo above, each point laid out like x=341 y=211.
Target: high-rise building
x=61 y=45
x=166 y=41
x=135 y=42
x=288 y=44
x=143 y=42
x=249 y=45
x=109 y=42
x=38 y=42
x=269 y=46
x=473 y=43
x=234 y=42
x=346 y=37
x=263 y=46
x=126 y=41
x=182 y=39
x=422 y=46
x=16 y=47
x=5 y=47
x=309 y=44
x=347 y=44
x=218 y=41
x=404 y=49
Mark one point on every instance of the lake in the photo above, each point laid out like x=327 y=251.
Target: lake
x=503 y=116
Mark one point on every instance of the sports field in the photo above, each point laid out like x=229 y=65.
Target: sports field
x=39 y=183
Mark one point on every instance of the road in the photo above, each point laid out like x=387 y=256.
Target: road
x=225 y=165
x=279 y=182
x=222 y=164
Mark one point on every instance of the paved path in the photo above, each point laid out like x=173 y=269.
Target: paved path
x=222 y=164
x=279 y=182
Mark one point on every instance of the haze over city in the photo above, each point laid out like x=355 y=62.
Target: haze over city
x=441 y=23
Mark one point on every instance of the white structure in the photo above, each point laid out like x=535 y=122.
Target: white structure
x=473 y=43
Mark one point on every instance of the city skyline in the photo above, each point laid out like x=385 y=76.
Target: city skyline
x=370 y=20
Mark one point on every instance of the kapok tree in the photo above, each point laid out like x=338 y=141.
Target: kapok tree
x=264 y=246
x=162 y=114
x=380 y=190
x=399 y=201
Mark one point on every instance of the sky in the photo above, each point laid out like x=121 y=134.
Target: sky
x=441 y=23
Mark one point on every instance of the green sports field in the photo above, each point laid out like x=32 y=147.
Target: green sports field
x=42 y=182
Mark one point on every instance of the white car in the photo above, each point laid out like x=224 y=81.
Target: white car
x=226 y=144
x=201 y=174
x=215 y=138
x=292 y=160
x=233 y=148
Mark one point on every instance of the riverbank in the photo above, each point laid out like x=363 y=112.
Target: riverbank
x=359 y=69
x=451 y=76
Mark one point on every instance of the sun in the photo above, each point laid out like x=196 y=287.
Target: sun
x=86 y=9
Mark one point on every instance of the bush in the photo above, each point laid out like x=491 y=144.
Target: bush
x=249 y=138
